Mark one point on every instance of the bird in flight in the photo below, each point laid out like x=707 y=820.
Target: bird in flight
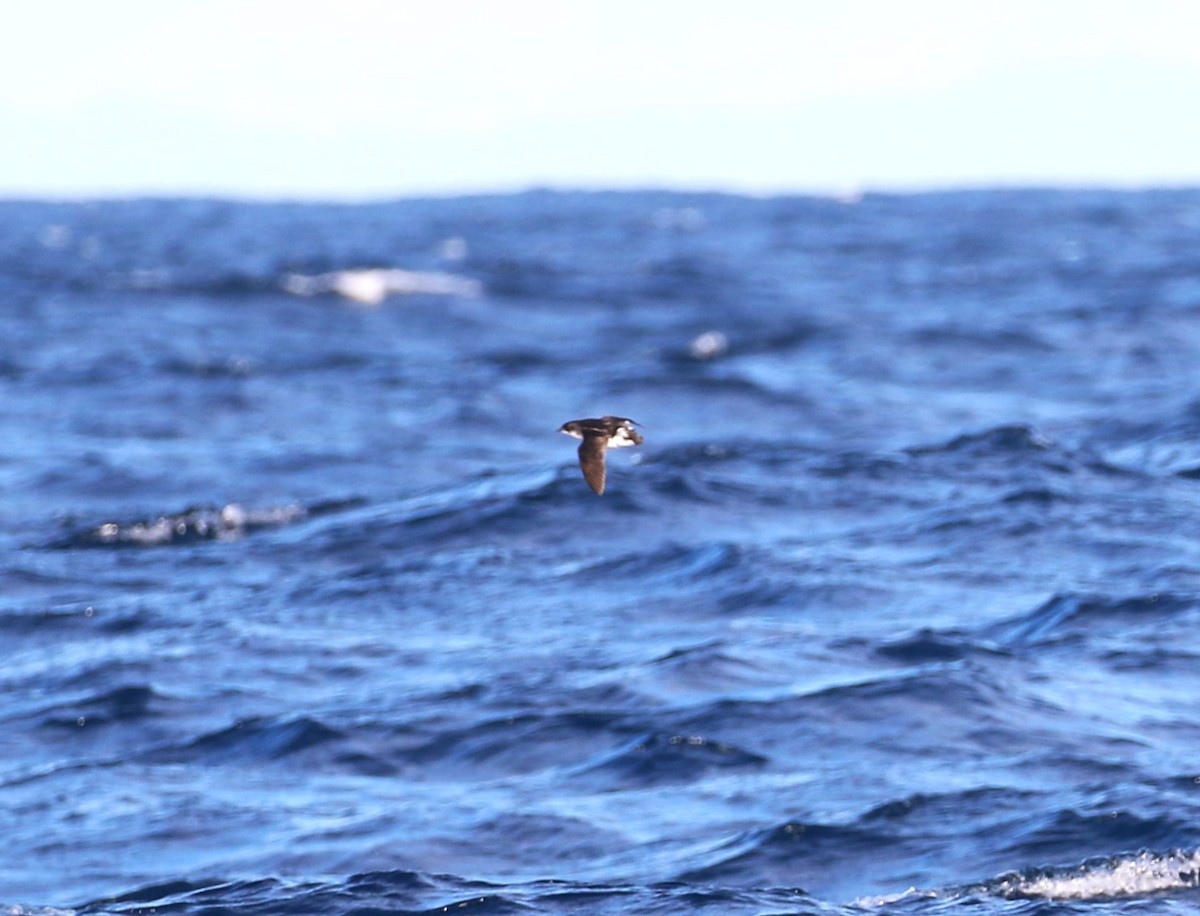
x=599 y=435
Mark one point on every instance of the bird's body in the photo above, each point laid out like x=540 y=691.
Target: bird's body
x=599 y=435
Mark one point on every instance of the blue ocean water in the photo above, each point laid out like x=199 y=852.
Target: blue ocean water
x=306 y=607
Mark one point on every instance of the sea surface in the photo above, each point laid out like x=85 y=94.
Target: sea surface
x=305 y=607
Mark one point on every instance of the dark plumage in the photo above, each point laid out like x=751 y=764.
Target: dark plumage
x=599 y=435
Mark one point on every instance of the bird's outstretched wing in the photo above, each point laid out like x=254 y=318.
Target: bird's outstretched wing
x=591 y=460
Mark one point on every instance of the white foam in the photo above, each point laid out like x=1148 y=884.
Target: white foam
x=1139 y=875
x=372 y=286
x=686 y=219
x=55 y=236
x=889 y=899
x=453 y=249
x=849 y=195
x=709 y=345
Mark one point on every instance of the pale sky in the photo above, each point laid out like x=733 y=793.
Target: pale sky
x=366 y=98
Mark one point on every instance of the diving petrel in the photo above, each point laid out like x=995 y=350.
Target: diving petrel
x=598 y=436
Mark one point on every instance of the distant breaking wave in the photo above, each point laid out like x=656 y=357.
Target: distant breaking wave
x=372 y=286
x=1122 y=876
x=199 y=523
x=1118 y=877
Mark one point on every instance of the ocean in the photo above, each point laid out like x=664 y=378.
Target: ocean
x=307 y=608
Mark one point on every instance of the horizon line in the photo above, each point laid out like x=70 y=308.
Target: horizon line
x=844 y=193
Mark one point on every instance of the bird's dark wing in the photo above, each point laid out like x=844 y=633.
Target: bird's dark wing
x=591 y=459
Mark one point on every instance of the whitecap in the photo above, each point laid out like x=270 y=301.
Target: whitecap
x=1145 y=873
x=371 y=286
x=708 y=345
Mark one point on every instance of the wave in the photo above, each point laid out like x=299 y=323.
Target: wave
x=1048 y=469
x=507 y=499
x=200 y=523
x=1155 y=445
x=427 y=748
x=1141 y=874
x=706 y=669
x=791 y=853
x=1061 y=619
x=997 y=443
x=675 y=563
x=960 y=337
x=410 y=893
x=365 y=286
x=724 y=576
x=524 y=506
x=1075 y=616
x=927 y=646
x=395 y=892
x=301 y=740
x=42 y=621
x=504 y=501
x=372 y=286
x=512 y=744
x=130 y=703
x=1099 y=829
x=660 y=759
x=938 y=808
x=1014 y=437
x=749 y=340
x=891 y=710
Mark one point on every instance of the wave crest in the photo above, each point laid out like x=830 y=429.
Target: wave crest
x=1140 y=875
